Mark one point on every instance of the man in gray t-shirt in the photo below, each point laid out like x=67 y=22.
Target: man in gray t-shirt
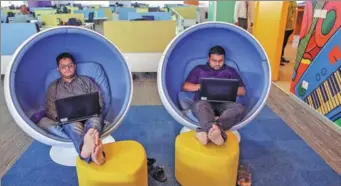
x=84 y=135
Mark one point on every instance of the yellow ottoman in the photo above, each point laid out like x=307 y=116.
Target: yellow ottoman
x=196 y=164
x=126 y=165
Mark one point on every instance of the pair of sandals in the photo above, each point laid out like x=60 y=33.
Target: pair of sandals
x=244 y=176
x=156 y=172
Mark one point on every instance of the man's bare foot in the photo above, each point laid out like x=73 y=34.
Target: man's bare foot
x=97 y=155
x=97 y=138
x=214 y=135
x=88 y=144
x=202 y=137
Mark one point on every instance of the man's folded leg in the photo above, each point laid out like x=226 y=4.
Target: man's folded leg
x=52 y=127
x=230 y=114
x=83 y=142
x=96 y=123
x=204 y=112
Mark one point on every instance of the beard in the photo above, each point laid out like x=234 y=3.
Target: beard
x=69 y=76
x=216 y=67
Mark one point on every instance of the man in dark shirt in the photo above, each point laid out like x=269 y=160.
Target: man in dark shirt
x=214 y=118
x=85 y=135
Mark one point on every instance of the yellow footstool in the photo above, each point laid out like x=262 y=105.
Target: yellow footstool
x=126 y=165
x=199 y=165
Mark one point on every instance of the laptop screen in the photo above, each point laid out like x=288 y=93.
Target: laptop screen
x=78 y=108
x=219 y=89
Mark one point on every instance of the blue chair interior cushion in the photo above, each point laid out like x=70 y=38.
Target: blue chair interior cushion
x=89 y=69
x=186 y=99
x=189 y=114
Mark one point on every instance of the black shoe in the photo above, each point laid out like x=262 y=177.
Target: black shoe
x=150 y=161
x=284 y=60
x=282 y=64
x=157 y=172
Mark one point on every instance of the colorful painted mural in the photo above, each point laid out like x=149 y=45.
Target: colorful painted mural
x=317 y=72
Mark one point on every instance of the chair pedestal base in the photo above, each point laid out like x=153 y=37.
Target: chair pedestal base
x=235 y=132
x=67 y=155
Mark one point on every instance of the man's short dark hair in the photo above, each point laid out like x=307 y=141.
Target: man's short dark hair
x=63 y=56
x=217 y=50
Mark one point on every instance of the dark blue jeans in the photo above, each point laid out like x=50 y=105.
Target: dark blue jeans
x=74 y=131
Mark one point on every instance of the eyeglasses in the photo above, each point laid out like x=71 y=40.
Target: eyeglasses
x=70 y=65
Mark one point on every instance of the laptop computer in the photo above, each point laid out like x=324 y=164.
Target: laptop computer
x=219 y=90
x=77 y=108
